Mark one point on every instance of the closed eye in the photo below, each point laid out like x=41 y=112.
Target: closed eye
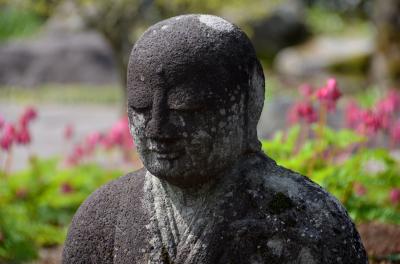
x=141 y=110
x=187 y=107
x=187 y=111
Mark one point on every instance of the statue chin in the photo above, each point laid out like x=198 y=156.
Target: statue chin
x=179 y=177
x=176 y=174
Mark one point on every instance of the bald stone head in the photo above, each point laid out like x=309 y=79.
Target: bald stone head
x=195 y=94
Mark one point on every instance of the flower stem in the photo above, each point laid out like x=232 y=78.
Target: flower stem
x=8 y=162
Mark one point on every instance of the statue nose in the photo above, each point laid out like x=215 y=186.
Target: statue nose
x=159 y=127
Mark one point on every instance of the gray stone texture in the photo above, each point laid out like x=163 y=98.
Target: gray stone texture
x=57 y=58
x=207 y=193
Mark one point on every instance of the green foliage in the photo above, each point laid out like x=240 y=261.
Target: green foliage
x=176 y=7
x=24 y=17
x=324 y=21
x=340 y=162
x=36 y=205
x=17 y=22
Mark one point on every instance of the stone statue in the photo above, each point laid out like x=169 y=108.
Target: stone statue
x=207 y=194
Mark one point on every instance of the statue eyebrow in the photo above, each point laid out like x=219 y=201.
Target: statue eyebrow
x=187 y=106
x=143 y=102
x=185 y=100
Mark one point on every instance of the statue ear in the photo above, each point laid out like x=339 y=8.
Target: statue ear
x=254 y=105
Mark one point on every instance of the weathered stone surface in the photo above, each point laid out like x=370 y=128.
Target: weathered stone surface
x=207 y=193
x=323 y=54
x=57 y=58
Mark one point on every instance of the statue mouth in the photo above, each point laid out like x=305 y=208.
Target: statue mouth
x=164 y=151
x=167 y=155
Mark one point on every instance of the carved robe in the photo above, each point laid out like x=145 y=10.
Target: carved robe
x=258 y=212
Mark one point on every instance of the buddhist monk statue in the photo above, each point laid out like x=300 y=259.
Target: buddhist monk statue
x=207 y=193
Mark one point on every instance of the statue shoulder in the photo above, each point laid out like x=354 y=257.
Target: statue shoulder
x=90 y=237
x=298 y=213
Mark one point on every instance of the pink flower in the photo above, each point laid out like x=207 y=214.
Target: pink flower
x=394 y=196
x=119 y=135
x=353 y=115
x=29 y=114
x=329 y=94
x=66 y=188
x=8 y=137
x=303 y=111
x=23 y=136
x=359 y=189
x=371 y=122
x=91 y=141
x=76 y=155
x=389 y=104
x=306 y=90
x=387 y=107
x=68 y=131
x=395 y=132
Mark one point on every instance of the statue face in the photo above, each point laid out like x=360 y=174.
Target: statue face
x=187 y=127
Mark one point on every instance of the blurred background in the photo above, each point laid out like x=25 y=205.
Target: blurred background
x=64 y=133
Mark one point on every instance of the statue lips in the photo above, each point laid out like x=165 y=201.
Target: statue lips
x=167 y=151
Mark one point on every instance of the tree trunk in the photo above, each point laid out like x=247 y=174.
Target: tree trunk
x=386 y=63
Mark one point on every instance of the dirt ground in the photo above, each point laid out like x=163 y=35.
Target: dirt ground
x=382 y=242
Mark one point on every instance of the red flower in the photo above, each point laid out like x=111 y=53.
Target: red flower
x=23 y=136
x=91 y=141
x=8 y=136
x=76 y=155
x=329 y=94
x=389 y=104
x=395 y=132
x=394 y=196
x=387 y=107
x=28 y=115
x=119 y=135
x=371 y=122
x=303 y=111
x=359 y=189
x=353 y=115
x=66 y=188
x=306 y=90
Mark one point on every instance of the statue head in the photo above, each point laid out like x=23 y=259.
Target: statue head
x=195 y=93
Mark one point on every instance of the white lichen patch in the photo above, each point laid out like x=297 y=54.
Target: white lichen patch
x=276 y=246
x=216 y=23
x=164 y=27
